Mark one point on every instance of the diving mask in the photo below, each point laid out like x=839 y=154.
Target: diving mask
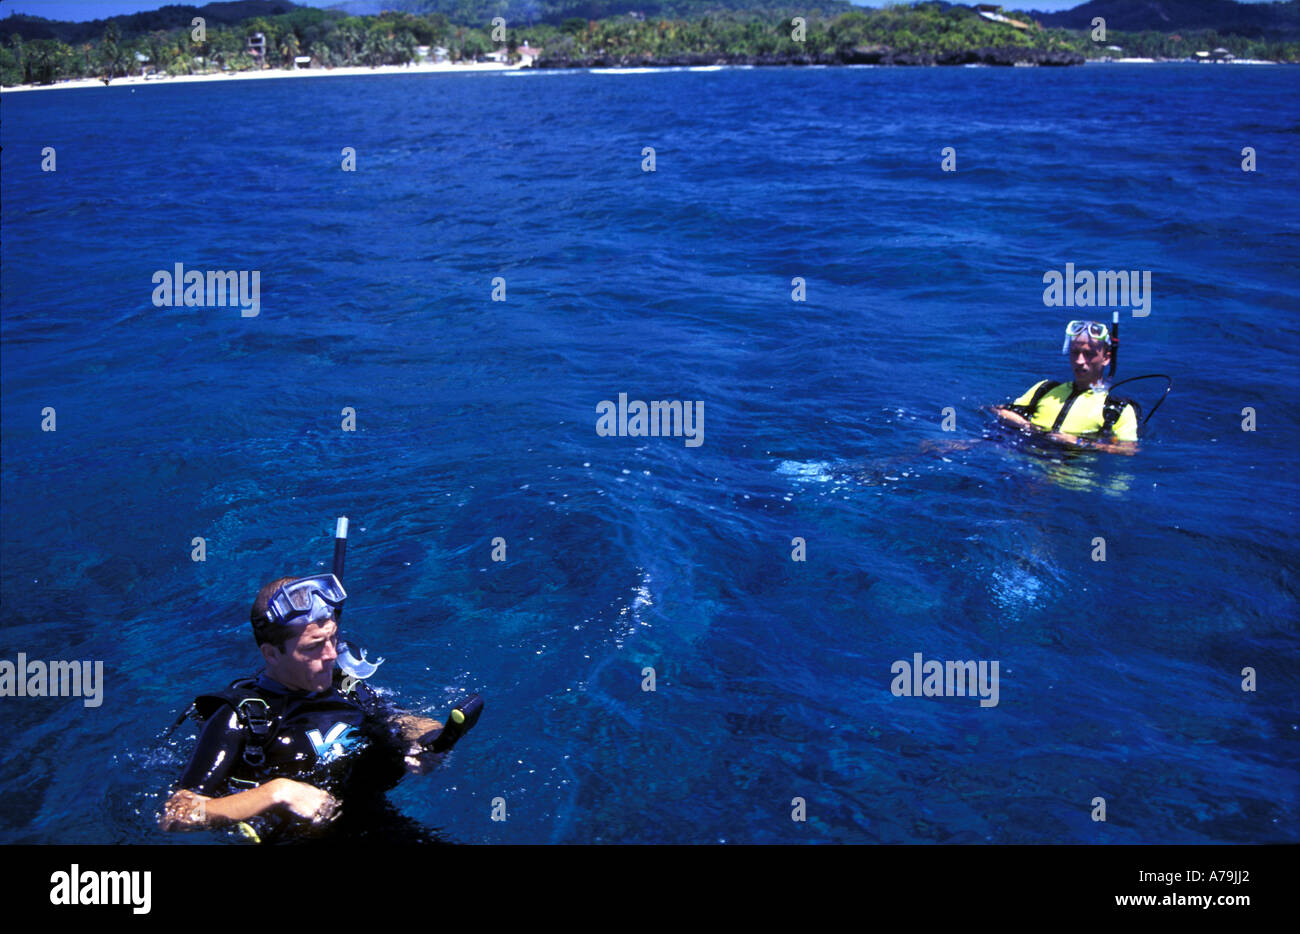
x=1096 y=330
x=306 y=600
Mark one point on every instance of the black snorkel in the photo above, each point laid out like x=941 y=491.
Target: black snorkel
x=341 y=550
x=352 y=664
x=462 y=717
x=1114 y=347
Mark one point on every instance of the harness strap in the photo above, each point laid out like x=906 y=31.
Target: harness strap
x=257 y=729
x=1075 y=392
x=1031 y=407
x=1042 y=390
x=256 y=716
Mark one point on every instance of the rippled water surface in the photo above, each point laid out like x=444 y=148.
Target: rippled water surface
x=476 y=419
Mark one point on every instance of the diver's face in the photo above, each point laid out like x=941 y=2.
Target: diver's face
x=1089 y=361
x=307 y=662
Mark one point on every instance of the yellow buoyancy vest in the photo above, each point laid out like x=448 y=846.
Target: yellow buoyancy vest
x=1084 y=412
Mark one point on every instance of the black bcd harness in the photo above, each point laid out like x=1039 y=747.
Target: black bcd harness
x=258 y=718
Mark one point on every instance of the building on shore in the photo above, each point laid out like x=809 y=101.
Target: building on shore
x=993 y=13
x=424 y=54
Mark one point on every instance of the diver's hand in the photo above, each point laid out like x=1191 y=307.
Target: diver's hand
x=307 y=801
x=410 y=727
x=420 y=761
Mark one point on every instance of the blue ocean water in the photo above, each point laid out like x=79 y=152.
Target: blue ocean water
x=476 y=419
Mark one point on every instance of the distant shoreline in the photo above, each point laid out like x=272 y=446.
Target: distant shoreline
x=633 y=66
x=234 y=76
x=1178 y=61
x=479 y=67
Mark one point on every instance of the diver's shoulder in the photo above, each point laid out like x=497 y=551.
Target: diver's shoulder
x=232 y=695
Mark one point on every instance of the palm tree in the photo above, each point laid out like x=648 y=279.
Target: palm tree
x=289 y=48
x=374 y=49
x=16 y=43
x=377 y=47
x=350 y=39
x=41 y=62
x=111 y=53
x=406 y=45
x=224 y=45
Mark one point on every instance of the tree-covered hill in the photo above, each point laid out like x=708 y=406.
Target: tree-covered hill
x=1251 y=20
x=173 y=16
x=473 y=12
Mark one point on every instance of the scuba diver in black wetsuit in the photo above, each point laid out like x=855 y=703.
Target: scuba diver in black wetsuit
x=280 y=754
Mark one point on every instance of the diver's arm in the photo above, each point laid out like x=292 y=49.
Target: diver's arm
x=189 y=810
x=403 y=728
x=1128 y=448
x=418 y=760
x=1018 y=412
x=221 y=744
x=410 y=727
x=1117 y=447
x=402 y=724
x=1015 y=418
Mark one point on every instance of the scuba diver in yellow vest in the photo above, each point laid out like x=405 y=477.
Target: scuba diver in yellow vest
x=1082 y=413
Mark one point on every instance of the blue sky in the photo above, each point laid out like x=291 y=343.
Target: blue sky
x=80 y=10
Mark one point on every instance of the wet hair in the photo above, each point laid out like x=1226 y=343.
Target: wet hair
x=265 y=631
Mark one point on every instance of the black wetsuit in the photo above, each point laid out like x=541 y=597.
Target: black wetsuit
x=343 y=743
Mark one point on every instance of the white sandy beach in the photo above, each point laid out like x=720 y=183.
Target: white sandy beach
x=136 y=80
x=429 y=68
